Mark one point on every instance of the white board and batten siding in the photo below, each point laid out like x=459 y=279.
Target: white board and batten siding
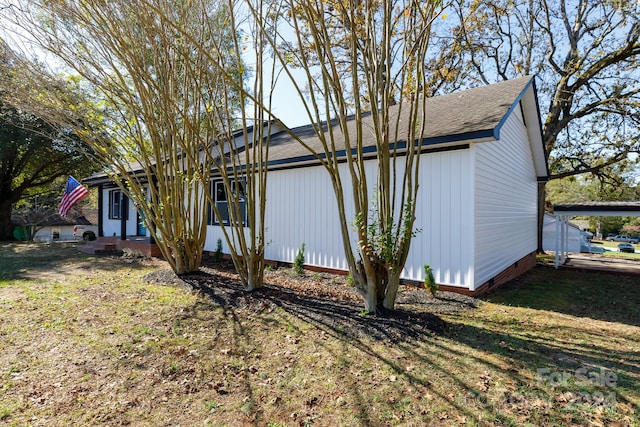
x=301 y=208
x=505 y=200
x=477 y=202
x=111 y=227
x=444 y=215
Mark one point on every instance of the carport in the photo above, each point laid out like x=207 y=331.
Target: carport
x=566 y=211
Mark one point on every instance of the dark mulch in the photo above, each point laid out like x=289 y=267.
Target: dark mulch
x=325 y=300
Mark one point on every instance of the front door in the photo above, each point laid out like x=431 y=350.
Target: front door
x=141 y=230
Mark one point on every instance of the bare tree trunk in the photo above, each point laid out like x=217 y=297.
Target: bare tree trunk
x=6 y=228
x=391 y=295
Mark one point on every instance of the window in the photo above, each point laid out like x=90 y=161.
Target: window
x=115 y=205
x=115 y=198
x=219 y=197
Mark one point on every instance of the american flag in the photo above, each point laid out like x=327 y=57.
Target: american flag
x=73 y=192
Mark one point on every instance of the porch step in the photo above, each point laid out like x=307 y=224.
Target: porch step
x=113 y=245
x=96 y=248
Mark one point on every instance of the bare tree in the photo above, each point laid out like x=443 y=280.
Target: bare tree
x=238 y=152
x=585 y=55
x=156 y=101
x=364 y=74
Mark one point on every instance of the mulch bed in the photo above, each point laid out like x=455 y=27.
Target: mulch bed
x=323 y=299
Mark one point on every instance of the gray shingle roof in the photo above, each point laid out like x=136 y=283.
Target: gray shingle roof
x=472 y=114
x=469 y=114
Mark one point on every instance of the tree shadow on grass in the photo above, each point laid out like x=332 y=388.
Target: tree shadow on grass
x=337 y=318
x=595 y=295
x=573 y=359
x=455 y=353
x=343 y=317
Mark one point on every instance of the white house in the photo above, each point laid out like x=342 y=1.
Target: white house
x=482 y=160
x=550 y=237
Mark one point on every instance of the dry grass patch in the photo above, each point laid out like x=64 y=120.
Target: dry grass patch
x=94 y=344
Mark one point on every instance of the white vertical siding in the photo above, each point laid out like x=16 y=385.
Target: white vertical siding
x=444 y=215
x=301 y=208
x=476 y=211
x=111 y=227
x=505 y=200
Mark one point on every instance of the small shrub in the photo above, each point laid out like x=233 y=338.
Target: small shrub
x=211 y=405
x=429 y=281
x=217 y=254
x=350 y=280
x=298 y=264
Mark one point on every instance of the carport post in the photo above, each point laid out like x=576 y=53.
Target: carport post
x=561 y=219
x=565 y=228
x=557 y=240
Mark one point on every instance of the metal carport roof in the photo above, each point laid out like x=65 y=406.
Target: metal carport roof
x=565 y=211
x=598 y=209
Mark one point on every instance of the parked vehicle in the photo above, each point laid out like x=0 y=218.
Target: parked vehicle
x=626 y=247
x=622 y=238
x=87 y=232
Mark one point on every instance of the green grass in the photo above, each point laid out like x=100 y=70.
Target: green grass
x=86 y=342
x=612 y=250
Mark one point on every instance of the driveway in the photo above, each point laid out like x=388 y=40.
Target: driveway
x=598 y=263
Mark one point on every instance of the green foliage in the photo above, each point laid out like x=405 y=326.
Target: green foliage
x=217 y=254
x=386 y=240
x=429 y=281
x=35 y=159
x=620 y=186
x=211 y=405
x=350 y=280
x=587 y=88
x=298 y=265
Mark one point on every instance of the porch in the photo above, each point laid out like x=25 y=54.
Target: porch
x=136 y=244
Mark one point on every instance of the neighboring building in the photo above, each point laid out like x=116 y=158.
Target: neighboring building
x=550 y=237
x=482 y=160
x=55 y=228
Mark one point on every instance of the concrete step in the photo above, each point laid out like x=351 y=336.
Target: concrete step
x=98 y=248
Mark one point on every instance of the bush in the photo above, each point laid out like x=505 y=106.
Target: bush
x=217 y=254
x=429 y=281
x=298 y=264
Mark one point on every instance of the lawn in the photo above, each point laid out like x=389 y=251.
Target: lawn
x=86 y=341
x=612 y=250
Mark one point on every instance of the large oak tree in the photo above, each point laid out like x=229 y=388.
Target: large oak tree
x=33 y=153
x=155 y=101
x=585 y=54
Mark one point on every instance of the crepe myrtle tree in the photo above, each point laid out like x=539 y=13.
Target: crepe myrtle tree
x=238 y=152
x=153 y=98
x=363 y=67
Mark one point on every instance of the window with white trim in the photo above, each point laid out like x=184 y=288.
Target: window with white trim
x=115 y=205
x=115 y=200
x=219 y=197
